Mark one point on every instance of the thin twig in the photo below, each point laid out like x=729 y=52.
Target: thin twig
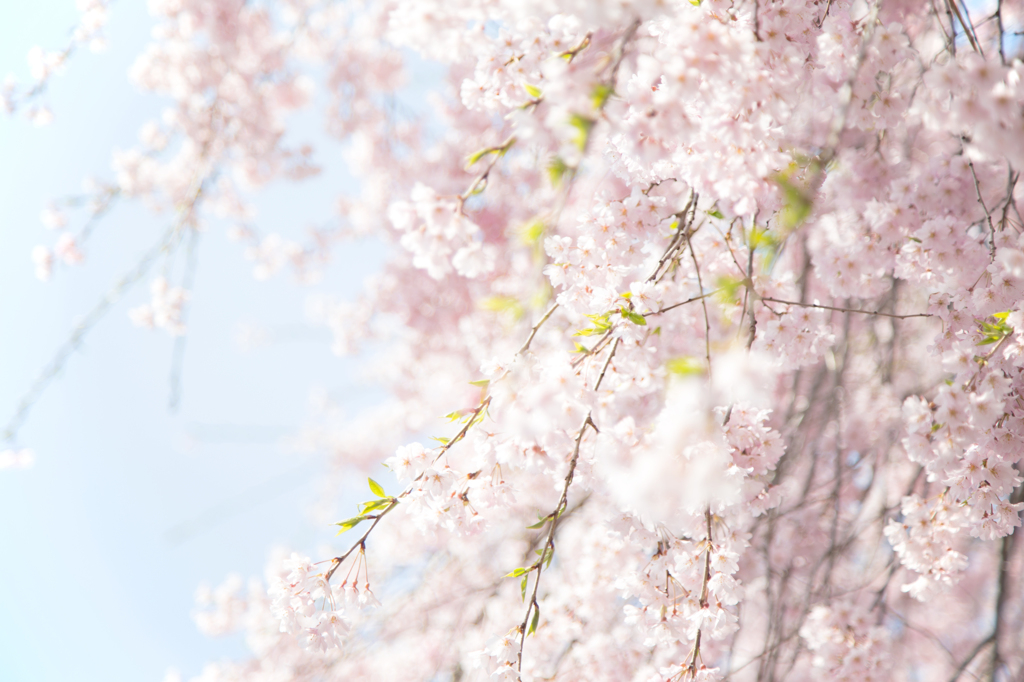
x=178 y=353
x=999 y=28
x=533 y=331
x=60 y=358
x=677 y=238
x=549 y=542
x=606 y=363
x=703 y=600
x=970 y=657
x=988 y=216
x=967 y=31
x=394 y=501
x=704 y=305
x=845 y=310
x=681 y=303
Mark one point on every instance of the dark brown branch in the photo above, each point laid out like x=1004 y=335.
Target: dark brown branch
x=967 y=30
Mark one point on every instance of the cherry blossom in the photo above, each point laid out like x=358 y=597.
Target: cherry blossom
x=711 y=309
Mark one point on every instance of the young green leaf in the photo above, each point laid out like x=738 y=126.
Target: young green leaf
x=602 y=324
x=531 y=233
x=796 y=203
x=600 y=94
x=349 y=524
x=728 y=289
x=518 y=572
x=762 y=238
x=685 y=366
x=633 y=316
x=557 y=170
x=534 y=620
x=583 y=126
x=503 y=304
x=376 y=488
x=476 y=156
x=374 y=505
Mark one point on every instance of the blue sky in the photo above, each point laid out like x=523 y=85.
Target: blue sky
x=129 y=507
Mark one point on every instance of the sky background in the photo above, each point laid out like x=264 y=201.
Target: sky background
x=130 y=507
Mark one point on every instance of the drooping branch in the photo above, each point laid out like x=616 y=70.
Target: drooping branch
x=548 y=548
x=845 y=310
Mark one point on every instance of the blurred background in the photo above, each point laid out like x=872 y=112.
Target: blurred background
x=129 y=506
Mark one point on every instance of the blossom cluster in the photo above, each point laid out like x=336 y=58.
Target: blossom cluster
x=713 y=310
x=42 y=64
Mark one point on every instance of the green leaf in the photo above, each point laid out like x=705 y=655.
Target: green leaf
x=991 y=333
x=580 y=348
x=685 y=366
x=500 y=151
x=518 y=572
x=531 y=233
x=376 y=488
x=796 y=203
x=503 y=304
x=762 y=238
x=349 y=524
x=600 y=94
x=532 y=90
x=534 y=620
x=374 y=505
x=557 y=170
x=482 y=383
x=583 y=126
x=728 y=288
x=441 y=439
x=476 y=156
x=716 y=214
x=602 y=324
x=522 y=586
x=539 y=524
x=633 y=316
